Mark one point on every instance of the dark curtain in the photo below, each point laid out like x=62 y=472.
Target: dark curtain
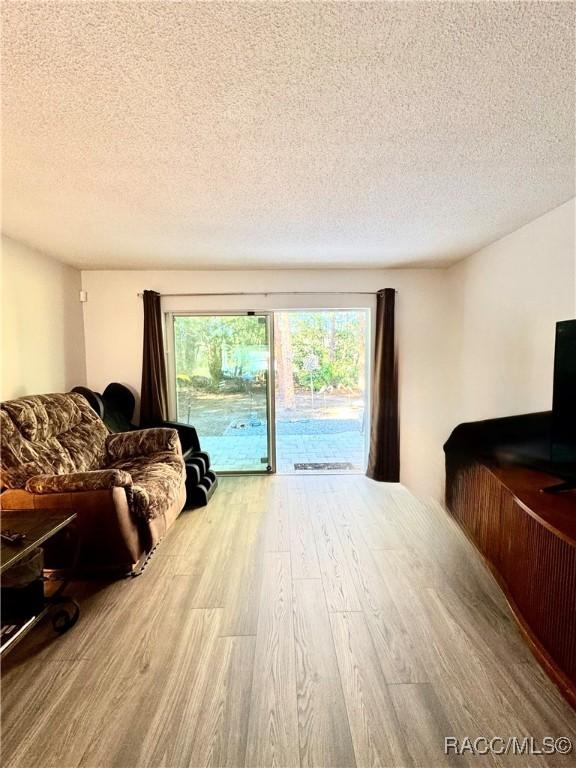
x=154 y=390
x=384 y=456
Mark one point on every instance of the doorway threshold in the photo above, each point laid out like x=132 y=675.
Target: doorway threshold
x=308 y=472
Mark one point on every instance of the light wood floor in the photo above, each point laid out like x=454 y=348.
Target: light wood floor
x=296 y=621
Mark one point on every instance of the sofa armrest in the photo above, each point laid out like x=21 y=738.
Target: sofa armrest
x=187 y=434
x=142 y=442
x=112 y=537
x=98 y=480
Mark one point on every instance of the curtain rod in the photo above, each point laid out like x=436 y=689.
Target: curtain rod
x=274 y=293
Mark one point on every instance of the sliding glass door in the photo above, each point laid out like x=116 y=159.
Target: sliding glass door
x=321 y=394
x=221 y=369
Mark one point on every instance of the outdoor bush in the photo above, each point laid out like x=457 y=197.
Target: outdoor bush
x=335 y=339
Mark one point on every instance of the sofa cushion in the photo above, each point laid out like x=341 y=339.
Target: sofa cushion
x=41 y=417
x=142 y=442
x=49 y=434
x=157 y=478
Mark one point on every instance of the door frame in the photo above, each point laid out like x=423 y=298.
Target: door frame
x=169 y=352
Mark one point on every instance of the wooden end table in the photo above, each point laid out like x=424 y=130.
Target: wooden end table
x=37 y=526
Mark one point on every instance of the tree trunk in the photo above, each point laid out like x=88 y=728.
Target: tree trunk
x=362 y=353
x=283 y=354
x=332 y=336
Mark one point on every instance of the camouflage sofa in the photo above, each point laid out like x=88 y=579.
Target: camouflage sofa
x=126 y=488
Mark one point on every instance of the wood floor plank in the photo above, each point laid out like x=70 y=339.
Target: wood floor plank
x=222 y=727
x=25 y=714
x=244 y=577
x=276 y=518
x=399 y=654
x=376 y=732
x=441 y=544
x=209 y=557
x=338 y=584
x=490 y=622
x=68 y=714
x=368 y=583
x=469 y=673
x=452 y=658
x=303 y=555
x=273 y=723
x=371 y=506
x=411 y=599
x=158 y=687
x=163 y=720
x=323 y=728
x=187 y=531
x=425 y=725
x=102 y=602
x=393 y=640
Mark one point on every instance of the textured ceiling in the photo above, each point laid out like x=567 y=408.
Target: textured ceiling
x=182 y=134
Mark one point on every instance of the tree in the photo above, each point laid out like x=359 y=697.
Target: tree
x=283 y=353
x=202 y=342
x=337 y=339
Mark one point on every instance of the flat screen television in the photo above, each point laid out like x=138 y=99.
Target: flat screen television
x=563 y=417
x=563 y=427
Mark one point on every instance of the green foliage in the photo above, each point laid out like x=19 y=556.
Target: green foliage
x=336 y=339
x=211 y=349
x=203 y=342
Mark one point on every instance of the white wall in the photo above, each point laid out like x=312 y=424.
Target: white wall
x=505 y=301
x=113 y=324
x=42 y=326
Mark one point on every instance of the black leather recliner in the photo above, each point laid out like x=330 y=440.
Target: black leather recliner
x=116 y=405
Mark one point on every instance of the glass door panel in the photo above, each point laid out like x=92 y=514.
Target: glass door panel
x=321 y=372
x=222 y=373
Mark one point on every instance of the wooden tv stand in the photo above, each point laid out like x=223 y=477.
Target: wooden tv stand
x=528 y=539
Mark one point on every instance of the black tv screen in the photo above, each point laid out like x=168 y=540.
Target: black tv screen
x=564 y=398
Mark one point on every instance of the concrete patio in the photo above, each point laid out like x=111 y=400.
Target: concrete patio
x=232 y=428
x=242 y=453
